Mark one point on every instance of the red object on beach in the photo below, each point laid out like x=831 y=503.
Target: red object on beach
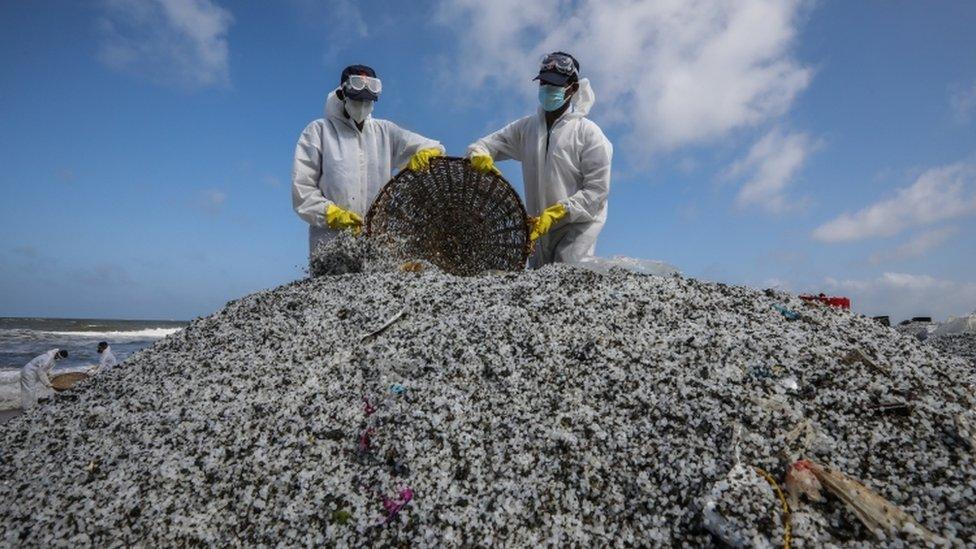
x=368 y=408
x=834 y=301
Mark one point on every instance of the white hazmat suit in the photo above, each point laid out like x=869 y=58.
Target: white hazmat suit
x=106 y=362
x=569 y=164
x=337 y=163
x=36 y=371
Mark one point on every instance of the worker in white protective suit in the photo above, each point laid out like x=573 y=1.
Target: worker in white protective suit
x=565 y=164
x=37 y=371
x=343 y=160
x=106 y=360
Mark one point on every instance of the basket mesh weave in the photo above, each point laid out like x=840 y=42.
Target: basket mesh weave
x=63 y=382
x=462 y=220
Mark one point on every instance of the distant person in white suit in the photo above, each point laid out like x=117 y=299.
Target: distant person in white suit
x=36 y=371
x=107 y=360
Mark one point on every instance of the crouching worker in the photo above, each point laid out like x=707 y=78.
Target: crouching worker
x=37 y=371
x=107 y=359
x=565 y=163
x=344 y=159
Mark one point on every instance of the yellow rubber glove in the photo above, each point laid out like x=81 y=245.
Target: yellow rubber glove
x=542 y=224
x=421 y=160
x=483 y=163
x=339 y=219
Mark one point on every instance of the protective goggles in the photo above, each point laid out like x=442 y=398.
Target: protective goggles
x=560 y=63
x=358 y=82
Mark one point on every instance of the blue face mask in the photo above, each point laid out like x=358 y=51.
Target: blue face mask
x=551 y=97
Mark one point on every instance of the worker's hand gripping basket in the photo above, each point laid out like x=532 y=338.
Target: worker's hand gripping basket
x=460 y=219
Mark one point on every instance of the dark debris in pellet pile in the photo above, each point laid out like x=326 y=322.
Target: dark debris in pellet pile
x=961 y=345
x=557 y=406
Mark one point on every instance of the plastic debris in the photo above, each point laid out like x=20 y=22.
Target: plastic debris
x=385 y=326
x=632 y=264
x=789 y=384
x=364 y=445
x=857 y=355
x=742 y=489
x=786 y=520
x=394 y=506
x=412 y=267
x=788 y=313
x=397 y=389
x=341 y=517
x=800 y=479
x=368 y=408
x=878 y=514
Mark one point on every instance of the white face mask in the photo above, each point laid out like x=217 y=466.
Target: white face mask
x=358 y=110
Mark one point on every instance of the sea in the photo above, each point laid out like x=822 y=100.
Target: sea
x=22 y=339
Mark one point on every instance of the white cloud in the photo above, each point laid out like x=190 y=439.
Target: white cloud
x=917 y=246
x=938 y=194
x=176 y=42
x=902 y=295
x=963 y=103
x=770 y=167
x=210 y=201
x=672 y=73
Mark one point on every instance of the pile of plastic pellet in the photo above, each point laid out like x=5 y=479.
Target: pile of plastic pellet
x=558 y=406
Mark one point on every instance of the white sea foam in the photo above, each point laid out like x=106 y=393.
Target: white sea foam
x=147 y=333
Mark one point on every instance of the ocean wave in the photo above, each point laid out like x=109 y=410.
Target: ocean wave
x=146 y=333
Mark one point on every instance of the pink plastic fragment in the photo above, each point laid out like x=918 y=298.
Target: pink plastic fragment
x=800 y=479
x=364 y=440
x=393 y=507
x=368 y=408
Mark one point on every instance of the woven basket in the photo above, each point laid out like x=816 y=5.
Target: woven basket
x=462 y=220
x=63 y=382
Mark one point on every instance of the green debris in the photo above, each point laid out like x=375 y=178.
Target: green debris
x=341 y=517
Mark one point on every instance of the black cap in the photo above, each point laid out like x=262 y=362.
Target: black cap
x=553 y=77
x=556 y=77
x=102 y=345
x=363 y=94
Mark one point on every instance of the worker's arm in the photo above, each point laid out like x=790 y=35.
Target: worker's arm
x=42 y=375
x=595 y=158
x=405 y=144
x=306 y=197
x=503 y=144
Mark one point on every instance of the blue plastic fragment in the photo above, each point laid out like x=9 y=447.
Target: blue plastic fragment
x=397 y=389
x=790 y=315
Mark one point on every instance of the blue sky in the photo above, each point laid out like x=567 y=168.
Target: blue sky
x=811 y=146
